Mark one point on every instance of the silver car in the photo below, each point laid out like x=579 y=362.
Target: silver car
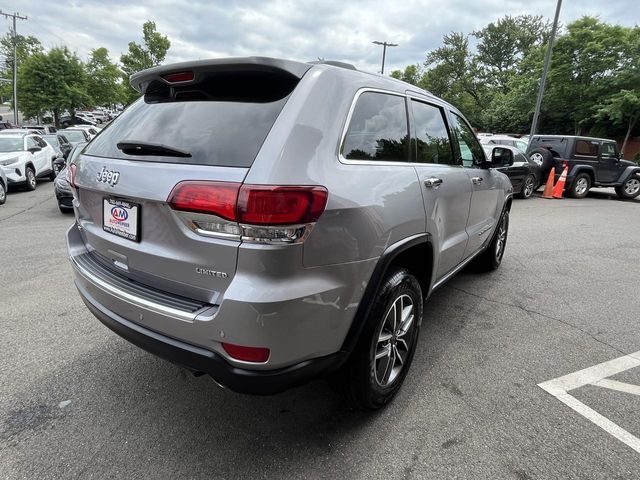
x=267 y=221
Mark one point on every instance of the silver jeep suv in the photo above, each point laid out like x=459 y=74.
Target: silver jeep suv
x=267 y=221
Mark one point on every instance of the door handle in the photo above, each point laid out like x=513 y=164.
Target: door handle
x=477 y=180
x=432 y=182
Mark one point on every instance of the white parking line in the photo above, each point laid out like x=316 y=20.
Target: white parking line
x=597 y=375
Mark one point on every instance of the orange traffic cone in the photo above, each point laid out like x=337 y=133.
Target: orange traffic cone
x=548 y=189
x=559 y=188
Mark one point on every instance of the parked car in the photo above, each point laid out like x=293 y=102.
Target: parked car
x=4 y=186
x=62 y=148
x=75 y=135
x=7 y=125
x=24 y=157
x=19 y=131
x=592 y=162
x=62 y=187
x=100 y=116
x=67 y=121
x=59 y=143
x=91 y=130
x=41 y=129
x=493 y=139
x=523 y=172
x=291 y=227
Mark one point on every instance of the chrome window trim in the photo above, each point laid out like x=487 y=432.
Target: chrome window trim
x=347 y=161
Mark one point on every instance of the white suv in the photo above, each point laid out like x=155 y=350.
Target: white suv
x=24 y=157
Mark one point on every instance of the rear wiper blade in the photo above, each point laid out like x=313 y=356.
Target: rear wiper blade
x=135 y=147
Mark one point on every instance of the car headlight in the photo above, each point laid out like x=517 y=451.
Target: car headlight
x=9 y=161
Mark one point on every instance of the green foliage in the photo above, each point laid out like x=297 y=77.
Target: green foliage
x=53 y=81
x=103 y=78
x=140 y=57
x=593 y=82
x=25 y=46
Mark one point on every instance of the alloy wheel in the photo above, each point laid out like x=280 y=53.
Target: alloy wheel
x=581 y=186
x=528 y=186
x=632 y=186
x=395 y=339
x=537 y=158
x=501 y=239
x=31 y=178
x=3 y=193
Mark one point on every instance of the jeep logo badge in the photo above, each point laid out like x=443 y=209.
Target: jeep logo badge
x=108 y=176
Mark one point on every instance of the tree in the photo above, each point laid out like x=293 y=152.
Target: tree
x=452 y=74
x=103 y=78
x=53 y=81
x=140 y=57
x=411 y=74
x=502 y=45
x=25 y=47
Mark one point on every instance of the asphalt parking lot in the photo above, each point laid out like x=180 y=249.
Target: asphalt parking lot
x=76 y=401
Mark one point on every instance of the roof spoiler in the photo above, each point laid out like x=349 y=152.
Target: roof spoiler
x=141 y=80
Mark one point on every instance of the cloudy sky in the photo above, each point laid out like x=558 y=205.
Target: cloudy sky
x=302 y=30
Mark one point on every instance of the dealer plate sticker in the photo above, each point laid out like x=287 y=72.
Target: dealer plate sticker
x=121 y=218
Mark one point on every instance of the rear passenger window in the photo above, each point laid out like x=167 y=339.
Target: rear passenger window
x=586 y=148
x=378 y=129
x=434 y=145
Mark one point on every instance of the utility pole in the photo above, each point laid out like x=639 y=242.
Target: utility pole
x=545 y=69
x=14 y=16
x=384 y=51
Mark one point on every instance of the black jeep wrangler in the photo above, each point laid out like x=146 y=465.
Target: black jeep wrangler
x=593 y=162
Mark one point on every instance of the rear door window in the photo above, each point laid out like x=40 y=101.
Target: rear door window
x=432 y=136
x=220 y=121
x=587 y=148
x=378 y=129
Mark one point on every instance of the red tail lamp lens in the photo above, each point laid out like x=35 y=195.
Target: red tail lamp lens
x=247 y=354
x=72 y=175
x=178 y=77
x=270 y=205
x=250 y=204
x=216 y=198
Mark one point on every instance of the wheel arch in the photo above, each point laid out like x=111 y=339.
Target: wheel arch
x=578 y=169
x=408 y=253
x=627 y=173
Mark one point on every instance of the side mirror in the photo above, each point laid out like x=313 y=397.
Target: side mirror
x=501 y=157
x=34 y=149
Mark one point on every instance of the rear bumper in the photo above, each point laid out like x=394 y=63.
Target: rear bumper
x=256 y=382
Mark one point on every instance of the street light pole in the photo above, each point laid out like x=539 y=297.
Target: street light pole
x=384 y=51
x=14 y=16
x=545 y=69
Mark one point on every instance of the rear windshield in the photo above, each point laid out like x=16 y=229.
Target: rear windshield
x=557 y=146
x=222 y=121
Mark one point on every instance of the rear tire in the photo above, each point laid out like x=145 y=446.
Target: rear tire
x=491 y=258
x=580 y=186
x=377 y=367
x=528 y=187
x=31 y=182
x=630 y=188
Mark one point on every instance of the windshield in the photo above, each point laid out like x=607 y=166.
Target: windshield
x=11 y=144
x=74 y=135
x=52 y=139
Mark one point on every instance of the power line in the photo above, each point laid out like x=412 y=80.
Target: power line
x=14 y=16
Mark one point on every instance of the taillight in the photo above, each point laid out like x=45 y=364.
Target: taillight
x=257 y=213
x=247 y=354
x=214 y=198
x=72 y=175
x=265 y=205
